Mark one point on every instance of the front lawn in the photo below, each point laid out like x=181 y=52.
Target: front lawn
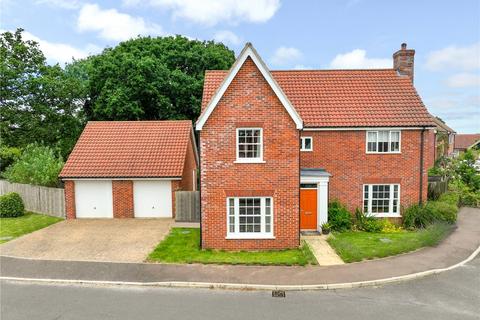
x=11 y=228
x=182 y=246
x=353 y=246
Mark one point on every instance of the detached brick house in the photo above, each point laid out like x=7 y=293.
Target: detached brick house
x=129 y=169
x=277 y=146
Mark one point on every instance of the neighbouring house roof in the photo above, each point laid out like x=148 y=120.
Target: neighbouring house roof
x=129 y=149
x=220 y=88
x=465 y=141
x=342 y=98
x=442 y=126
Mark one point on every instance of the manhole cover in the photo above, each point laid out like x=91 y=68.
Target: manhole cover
x=385 y=240
x=185 y=232
x=5 y=238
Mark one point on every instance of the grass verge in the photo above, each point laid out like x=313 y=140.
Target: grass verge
x=11 y=228
x=353 y=246
x=182 y=246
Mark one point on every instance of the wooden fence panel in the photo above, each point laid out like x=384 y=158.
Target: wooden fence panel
x=436 y=187
x=49 y=201
x=187 y=206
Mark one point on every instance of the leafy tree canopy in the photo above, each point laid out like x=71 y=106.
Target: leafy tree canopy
x=151 y=78
x=38 y=102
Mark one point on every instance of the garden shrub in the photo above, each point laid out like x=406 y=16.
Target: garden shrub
x=11 y=205
x=442 y=211
x=339 y=217
x=37 y=165
x=417 y=216
x=366 y=222
x=450 y=197
x=8 y=155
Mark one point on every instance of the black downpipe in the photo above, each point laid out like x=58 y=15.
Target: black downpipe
x=422 y=145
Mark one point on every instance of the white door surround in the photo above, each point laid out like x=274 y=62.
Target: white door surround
x=152 y=199
x=321 y=179
x=93 y=199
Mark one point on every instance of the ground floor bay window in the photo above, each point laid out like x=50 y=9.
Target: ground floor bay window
x=381 y=200
x=249 y=218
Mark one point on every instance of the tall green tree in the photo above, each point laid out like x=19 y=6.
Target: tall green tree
x=151 y=78
x=38 y=102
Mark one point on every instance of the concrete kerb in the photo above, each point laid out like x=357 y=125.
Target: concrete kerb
x=240 y=286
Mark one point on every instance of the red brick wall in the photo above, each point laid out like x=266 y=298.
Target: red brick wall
x=176 y=186
x=122 y=192
x=249 y=99
x=191 y=165
x=69 y=189
x=343 y=154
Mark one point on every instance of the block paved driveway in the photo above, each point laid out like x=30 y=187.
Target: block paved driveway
x=118 y=240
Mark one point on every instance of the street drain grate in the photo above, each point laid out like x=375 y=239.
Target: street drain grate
x=278 y=293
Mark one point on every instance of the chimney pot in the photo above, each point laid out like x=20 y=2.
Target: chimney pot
x=404 y=46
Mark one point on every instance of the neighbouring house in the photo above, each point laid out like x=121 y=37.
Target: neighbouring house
x=127 y=169
x=277 y=146
x=464 y=142
x=444 y=139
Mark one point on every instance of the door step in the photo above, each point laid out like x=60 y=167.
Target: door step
x=310 y=232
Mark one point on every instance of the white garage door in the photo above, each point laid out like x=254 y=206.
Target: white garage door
x=93 y=199
x=152 y=199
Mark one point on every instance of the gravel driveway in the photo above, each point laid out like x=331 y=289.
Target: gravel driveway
x=118 y=240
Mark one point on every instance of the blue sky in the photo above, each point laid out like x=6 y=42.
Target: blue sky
x=288 y=34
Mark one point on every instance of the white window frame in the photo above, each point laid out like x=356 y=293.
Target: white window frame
x=250 y=235
x=390 y=213
x=302 y=144
x=249 y=160
x=389 y=142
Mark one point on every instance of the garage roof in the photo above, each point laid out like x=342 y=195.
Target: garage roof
x=130 y=149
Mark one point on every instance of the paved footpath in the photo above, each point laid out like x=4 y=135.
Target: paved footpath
x=457 y=247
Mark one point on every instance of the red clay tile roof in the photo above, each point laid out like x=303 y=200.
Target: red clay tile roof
x=344 y=98
x=129 y=149
x=464 y=141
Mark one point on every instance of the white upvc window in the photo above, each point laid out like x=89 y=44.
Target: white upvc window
x=383 y=141
x=381 y=200
x=250 y=145
x=250 y=218
x=306 y=143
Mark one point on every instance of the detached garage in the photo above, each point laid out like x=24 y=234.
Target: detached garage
x=129 y=169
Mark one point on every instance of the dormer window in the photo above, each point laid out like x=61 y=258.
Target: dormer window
x=249 y=145
x=383 y=141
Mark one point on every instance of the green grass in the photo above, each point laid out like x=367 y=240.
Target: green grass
x=353 y=246
x=16 y=227
x=182 y=246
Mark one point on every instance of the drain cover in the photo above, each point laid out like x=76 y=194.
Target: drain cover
x=278 y=293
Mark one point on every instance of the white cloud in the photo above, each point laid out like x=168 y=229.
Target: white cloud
x=113 y=25
x=357 y=59
x=285 y=55
x=227 y=37
x=211 y=12
x=60 y=52
x=453 y=57
x=65 y=4
x=301 y=67
x=462 y=80
x=459 y=111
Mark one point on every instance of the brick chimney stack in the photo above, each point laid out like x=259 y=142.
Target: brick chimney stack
x=403 y=61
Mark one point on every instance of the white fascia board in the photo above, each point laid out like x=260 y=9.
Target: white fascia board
x=249 y=51
x=364 y=128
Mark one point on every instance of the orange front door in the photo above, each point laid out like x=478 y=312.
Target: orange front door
x=308 y=209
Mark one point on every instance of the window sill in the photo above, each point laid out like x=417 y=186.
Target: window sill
x=386 y=215
x=249 y=236
x=248 y=161
x=306 y=150
x=370 y=152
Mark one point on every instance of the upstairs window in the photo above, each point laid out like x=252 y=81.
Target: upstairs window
x=249 y=145
x=306 y=144
x=383 y=141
